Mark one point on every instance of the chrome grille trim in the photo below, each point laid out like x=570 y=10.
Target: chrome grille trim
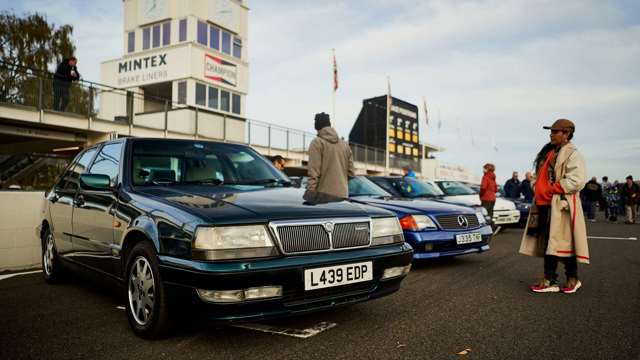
x=310 y=236
x=450 y=222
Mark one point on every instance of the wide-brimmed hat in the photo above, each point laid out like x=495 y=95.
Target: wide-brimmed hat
x=562 y=124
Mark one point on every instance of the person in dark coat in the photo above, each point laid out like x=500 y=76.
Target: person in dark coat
x=512 y=187
x=65 y=74
x=630 y=195
x=526 y=187
x=592 y=194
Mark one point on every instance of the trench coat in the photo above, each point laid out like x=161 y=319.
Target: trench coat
x=568 y=231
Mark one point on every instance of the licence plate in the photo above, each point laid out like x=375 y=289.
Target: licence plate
x=505 y=220
x=468 y=238
x=337 y=275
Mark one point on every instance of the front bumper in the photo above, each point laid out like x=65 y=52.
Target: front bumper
x=182 y=278
x=506 y=217
x=443 y=243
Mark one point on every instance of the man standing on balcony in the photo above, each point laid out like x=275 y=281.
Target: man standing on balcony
x=66 y=72
x=330 y=160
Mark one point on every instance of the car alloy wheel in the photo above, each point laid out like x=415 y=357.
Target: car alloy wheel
x=48 y=255
x=141 y=291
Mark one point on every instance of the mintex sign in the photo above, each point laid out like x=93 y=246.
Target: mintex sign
x=142 y=70
x=220 y=70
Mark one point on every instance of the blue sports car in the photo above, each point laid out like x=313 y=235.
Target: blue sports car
x=434 y=229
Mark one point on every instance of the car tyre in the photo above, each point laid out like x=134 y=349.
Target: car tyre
x=146 y=303
x=51 y=266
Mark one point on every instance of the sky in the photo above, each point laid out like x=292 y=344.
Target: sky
x=493 y=72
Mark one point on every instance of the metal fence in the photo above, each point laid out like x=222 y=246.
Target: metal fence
x=32 y=88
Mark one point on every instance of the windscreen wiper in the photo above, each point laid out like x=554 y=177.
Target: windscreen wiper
x=262 y=182
x=211 y=181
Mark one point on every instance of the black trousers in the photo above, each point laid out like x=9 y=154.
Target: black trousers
x=60 y=95
x=489 y=205
x=551 y=261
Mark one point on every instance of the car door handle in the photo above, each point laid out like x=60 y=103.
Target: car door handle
x=79 y=200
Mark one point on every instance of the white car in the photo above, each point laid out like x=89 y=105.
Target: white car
x=504 y=212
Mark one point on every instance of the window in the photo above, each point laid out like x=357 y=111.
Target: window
x=224 y=100
x=200 y=94
x=237 y=47
x=213 y=98
x=189 y=161
x=183 y=30
x=202 y=33
x=226 y=42
x=182 y=92
x=156 y=36
x=235 y=104
x=72 y=176
x=131 y=41
x=214 y=37
x=146 y=38
x=166 y=33
x=108 y=162
x=361 y=186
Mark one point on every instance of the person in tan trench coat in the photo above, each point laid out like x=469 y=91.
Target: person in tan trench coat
x=556 y=228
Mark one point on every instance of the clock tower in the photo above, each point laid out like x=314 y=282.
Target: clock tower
x=181 y=53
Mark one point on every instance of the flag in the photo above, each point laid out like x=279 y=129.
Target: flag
x=335 y=72
x=426 y=112
x=439 y=122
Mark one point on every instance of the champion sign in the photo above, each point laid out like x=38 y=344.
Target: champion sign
x=220 y=70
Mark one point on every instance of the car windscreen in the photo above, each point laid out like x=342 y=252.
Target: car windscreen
x=158 y=162
x=361 y=186
x=454 y=188
x=413 y=188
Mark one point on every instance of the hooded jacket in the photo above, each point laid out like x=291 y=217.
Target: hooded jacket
x=488 y=187
x=330 y=164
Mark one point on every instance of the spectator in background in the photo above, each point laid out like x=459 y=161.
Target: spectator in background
x=630 y=193
x=279 y=162
x=65 y=74
x=407 y=172
x=611 y=196
x=330 y=161
x=603 y=201
x=592 y=194
x=488 y=188
x=512 y=187
x=526 y=188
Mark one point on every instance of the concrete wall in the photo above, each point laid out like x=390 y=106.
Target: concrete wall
x=19 y=216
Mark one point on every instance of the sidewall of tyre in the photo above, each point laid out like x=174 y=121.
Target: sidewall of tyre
x=159 y=324
x=56 y=267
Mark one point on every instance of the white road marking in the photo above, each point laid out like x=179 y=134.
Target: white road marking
x=297 y=333
x=612 y=238
x=120 y=307
x=2 y=277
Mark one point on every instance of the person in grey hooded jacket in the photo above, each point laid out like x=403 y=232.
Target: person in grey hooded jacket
x=330 y=160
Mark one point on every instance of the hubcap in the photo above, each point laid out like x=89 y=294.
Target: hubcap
x=47 y=257
x=141 y=290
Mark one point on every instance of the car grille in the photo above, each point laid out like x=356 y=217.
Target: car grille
x=314 y=237
x=303 y=238
x=450 y=222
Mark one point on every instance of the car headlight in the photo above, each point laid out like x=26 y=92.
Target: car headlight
x=417 y=223
x=386 y=231
x=481 y=217
x=233 y=242
x=484 y=211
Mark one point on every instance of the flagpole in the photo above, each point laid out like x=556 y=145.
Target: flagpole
x=333 y=90
x=386 y=130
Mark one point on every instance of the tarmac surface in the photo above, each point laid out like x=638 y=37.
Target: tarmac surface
x=471 y=307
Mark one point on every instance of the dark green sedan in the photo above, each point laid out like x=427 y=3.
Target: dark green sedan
x=215 y=229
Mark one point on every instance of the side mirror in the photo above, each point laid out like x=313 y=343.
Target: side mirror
x=95 y=182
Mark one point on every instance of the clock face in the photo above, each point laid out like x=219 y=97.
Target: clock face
x=152 y=10
x=225 y=13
